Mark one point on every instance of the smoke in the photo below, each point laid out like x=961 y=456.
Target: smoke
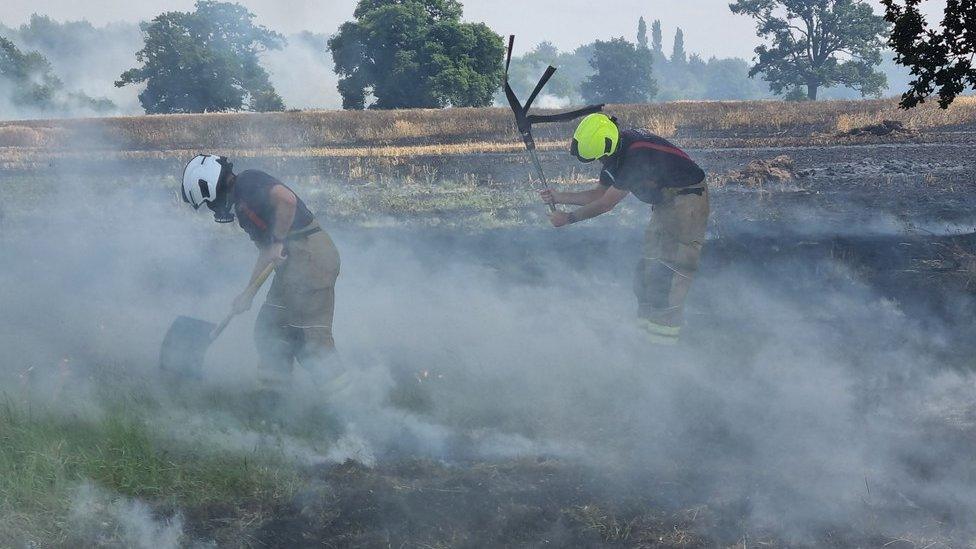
x=96 y=61
x=302 y=73
x=804 y=395
x=63 y=103
x=89 y=59
x=104 y=520
x=548 y=101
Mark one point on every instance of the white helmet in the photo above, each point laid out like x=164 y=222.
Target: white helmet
x=200 y=179
x=202 y=184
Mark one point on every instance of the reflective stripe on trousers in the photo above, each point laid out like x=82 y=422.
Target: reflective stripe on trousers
x=672 y=249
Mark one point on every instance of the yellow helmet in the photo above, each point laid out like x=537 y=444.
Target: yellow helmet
x=596 y=136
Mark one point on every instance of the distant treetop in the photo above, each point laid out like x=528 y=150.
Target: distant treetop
x=29 y=84
x=415 y=53
x=940 y=58
x=205 y=61
x=811 y=44
x=623 y=74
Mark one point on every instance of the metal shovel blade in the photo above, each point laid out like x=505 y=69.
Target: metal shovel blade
x=185 y=346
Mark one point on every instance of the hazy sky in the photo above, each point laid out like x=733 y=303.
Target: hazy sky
x=709 y=27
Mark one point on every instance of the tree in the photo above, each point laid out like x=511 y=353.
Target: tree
x=79 y=52
x=940 y=58
x=28 y=82
x=84 y=57
x=416 y=53
x=642 y=34
x=526 y=69
x=574 y=67
x=657 y=44
x=729 y=79
x=678 y=51
x=711 y=79
x=817 y=43
x=205 y=61
x=623 y=74
x=28 y=76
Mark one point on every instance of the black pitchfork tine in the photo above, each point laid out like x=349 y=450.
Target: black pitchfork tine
x=524 y=121
x=538 y=87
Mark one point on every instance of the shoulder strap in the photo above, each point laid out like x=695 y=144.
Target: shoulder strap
x=253 y=216
x=658 y=147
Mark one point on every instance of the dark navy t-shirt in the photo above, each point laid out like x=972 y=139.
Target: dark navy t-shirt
x=645 y=164
x=253 y=207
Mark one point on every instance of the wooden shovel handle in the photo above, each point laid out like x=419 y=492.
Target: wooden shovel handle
x=253 y=288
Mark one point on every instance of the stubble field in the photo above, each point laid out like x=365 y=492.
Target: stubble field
x=823 y=395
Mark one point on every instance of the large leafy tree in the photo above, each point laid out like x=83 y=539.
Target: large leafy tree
x=623 y=74
x=817 y=43
x=415 y=53
x=940 y=58
x=205 y=61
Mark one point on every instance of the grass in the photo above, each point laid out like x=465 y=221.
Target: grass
x=455 y=131
x=46 y=457
x=49 y=459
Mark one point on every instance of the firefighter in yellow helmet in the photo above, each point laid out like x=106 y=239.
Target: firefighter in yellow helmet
x=662 y=175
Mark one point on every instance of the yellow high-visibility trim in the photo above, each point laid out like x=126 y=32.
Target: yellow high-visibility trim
x=662 y=340
x=338 y=384
x=660 y=334
x=660 y=329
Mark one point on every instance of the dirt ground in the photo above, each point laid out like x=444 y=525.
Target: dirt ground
x=711 y=488
x=866 y=257
x=898 y=217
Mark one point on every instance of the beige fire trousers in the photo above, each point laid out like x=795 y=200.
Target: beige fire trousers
x=672 y=248
x=295 y=322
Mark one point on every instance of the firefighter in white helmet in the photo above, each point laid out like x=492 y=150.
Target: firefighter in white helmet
x=295 y=321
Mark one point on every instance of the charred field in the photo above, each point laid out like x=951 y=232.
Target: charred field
x=823 y=396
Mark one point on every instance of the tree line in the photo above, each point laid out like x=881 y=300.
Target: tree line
x=620 y=71
x=421 y=54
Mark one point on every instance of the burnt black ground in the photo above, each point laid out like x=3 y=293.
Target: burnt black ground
x=863 y=224
x=548 y=501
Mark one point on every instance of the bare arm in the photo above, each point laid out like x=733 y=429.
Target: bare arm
x=579 y=198
x=285 y=205
x=606 y=202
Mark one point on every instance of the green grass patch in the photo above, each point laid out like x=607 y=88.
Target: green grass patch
x=45 y=457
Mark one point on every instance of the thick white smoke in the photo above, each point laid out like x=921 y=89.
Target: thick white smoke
x=302 y=73
x=803 y=391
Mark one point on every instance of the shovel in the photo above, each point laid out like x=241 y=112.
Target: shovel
x=187 y=339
